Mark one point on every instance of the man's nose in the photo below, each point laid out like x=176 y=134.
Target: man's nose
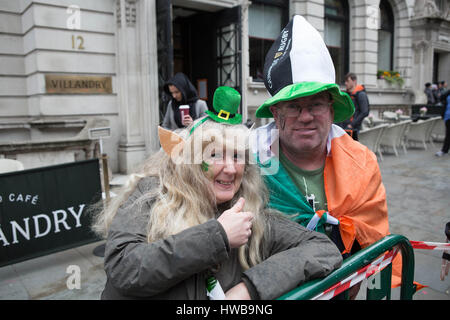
x=305 y=115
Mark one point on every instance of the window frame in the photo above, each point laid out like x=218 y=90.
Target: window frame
x=284 y=6
x=390 y=13
x=345 y=20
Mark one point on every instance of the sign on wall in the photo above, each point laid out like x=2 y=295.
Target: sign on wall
x=44 y=210
x=77 y=84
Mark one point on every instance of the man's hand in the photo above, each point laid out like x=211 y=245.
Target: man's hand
x=237 y=224
x=238 y=292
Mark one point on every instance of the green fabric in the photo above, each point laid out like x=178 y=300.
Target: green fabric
x=226 y=102
x=284 y=196
x=342 y=105
x=310 y=183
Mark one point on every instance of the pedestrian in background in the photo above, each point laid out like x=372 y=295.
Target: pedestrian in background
x=431 y=100
x=359 y=97
x=182 y=93
x=445 y=99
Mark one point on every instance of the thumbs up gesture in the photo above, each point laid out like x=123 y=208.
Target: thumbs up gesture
x=237 y=224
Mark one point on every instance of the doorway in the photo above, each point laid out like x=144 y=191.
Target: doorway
x=204 y=45
x=193 y=49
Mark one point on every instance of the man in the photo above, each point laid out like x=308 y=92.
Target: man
x=325 y=180
x=359 y=97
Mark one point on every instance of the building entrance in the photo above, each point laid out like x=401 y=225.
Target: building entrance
x=205 y=45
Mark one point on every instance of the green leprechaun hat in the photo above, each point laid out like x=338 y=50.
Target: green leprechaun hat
x=226 y=103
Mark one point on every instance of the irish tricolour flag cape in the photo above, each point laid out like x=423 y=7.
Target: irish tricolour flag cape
x=353 y=187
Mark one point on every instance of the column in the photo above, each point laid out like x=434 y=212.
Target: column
x=137 y=81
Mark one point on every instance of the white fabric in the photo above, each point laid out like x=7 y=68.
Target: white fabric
x=310 y=59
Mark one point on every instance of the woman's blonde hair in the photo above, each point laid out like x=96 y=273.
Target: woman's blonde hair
x=185 y=198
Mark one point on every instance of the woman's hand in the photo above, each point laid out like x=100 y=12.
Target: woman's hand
x=237 y=224
x=238 y=292
x=187 y=120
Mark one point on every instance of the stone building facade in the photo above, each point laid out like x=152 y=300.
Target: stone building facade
x=70 y=65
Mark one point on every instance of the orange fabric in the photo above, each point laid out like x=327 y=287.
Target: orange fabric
x=355 y=194
x=358 y=87
x=348 y=233
x=397 y=274
x=320 y=213
x=357 y=198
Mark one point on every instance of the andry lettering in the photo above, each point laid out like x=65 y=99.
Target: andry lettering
x=41 y=225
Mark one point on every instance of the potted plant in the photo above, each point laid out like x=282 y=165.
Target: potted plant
x=392 y=78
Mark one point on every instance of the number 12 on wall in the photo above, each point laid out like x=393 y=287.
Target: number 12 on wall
x=77 y=40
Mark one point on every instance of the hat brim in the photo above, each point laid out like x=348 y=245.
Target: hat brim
x=342 y=103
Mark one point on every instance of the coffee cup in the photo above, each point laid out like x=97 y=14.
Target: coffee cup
x=184 y=109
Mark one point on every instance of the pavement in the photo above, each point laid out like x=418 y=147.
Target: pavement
x=418 y=196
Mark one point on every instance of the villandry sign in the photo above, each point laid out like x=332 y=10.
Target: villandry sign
x=44 y=210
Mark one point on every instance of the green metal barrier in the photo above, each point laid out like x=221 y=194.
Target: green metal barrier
x=359 y=260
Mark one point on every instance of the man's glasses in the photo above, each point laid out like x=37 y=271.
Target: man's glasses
x=315 y=109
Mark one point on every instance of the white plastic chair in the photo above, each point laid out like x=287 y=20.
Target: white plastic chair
x=438 y=131
x=420 y=132
x=435 y=123
x=390 y=116
x=393 y=136
x=371 y=138
x=10 y=165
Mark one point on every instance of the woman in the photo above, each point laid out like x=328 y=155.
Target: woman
x=182 y=92
x=182 y=225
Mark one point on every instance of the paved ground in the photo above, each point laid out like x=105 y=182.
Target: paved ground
x=418 y=192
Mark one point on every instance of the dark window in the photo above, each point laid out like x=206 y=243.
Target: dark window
x=266 y=19
x=336 y=35
x=386 y=37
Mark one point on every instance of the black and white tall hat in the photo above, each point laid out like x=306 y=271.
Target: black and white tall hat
x=298 y=65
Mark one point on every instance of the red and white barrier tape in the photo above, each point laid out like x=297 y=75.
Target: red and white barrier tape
x=355 y=278
x=376 y=266
x=430 y=245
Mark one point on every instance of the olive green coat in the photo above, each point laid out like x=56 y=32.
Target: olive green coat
x=177 y=267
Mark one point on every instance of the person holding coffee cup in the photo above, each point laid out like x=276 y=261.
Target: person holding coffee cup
x=184 y=106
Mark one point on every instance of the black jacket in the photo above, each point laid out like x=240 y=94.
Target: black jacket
x=189 y=93
x=361 y=102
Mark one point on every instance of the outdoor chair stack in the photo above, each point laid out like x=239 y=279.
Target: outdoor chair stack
x=394 y=136
x=420 y=132
x=371 y=138
x=438 y=131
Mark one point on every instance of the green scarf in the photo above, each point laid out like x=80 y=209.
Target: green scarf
x=285 y=196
